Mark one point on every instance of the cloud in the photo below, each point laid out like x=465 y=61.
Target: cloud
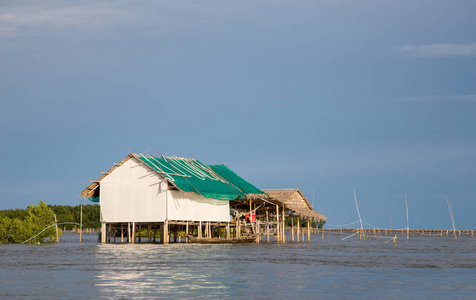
x=438 y=50
x=439 y=98
x=22 y=21
x=147 y=18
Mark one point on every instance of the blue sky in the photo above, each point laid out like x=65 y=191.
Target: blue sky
x=373 y=96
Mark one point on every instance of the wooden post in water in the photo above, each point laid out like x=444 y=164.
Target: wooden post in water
x=267 y=227
x=103 y=232
x=292 y=229
x=155 y=232
x=56 y=225
x=297 y=229
x=408 y=228
x=284 y=233
x=122 y=233
x=133 y=232
x=108 y=234
x=228 y=235
x=129 y=234
x=308 y=230
x=277 y=223
x=81 y=222
x=186 y=233
x=238 y=229
x=164 y=233
x=258 y=231
x=199 y=230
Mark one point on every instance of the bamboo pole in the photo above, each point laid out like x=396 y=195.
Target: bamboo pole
x=360 y=219
x=309 y=230
x=81 y=222
x=155 y=232
x=186 y=233
x=129 y=236
x=258 y=231
x=133 y=232
x=199 y=230
x=103 y=232
x=408 y=228
x=282 y=230
x=277 y=223
x=57 y=235
x=267 y=227
x=292 y=229
x=297 y=229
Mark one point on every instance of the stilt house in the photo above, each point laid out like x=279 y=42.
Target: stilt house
x=160 y=191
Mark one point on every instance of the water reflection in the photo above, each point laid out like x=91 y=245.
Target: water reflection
x=162 y=271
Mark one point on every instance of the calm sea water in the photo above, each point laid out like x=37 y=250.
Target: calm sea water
x=422 y=267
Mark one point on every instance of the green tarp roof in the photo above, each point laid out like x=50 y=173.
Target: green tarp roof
x=190 y=175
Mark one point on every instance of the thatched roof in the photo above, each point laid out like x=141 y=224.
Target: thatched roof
x=294 y=201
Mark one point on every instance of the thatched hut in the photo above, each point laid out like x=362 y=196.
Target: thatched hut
x=295 y=202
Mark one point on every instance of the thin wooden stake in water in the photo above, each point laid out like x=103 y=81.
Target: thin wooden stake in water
x=56 y=225
x=408 y=228
x=360 y=219
x=452 y=218
x=81 y=222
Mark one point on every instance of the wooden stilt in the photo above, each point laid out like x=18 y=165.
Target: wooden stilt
x=199 y=230
x=81 y=223
x=186 y=233
x=122 y=233
x=258 y=231
x=277 y=224
x=129 y=235
x=267 y=227
x=309 y=230
x=133 y=233
x=164 y=233
x=155 y=232
x=297 y=228
x=292 y=229
x=238 y=229
x=103 y=232
x=283 y=229
x=140 y=229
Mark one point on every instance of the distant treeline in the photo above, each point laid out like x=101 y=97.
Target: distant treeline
x=18 y=225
